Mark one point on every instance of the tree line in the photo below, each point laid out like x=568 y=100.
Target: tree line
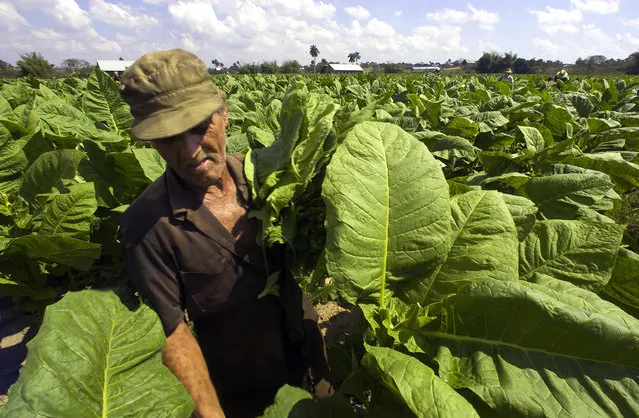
x=34 y=64
x=494 y=62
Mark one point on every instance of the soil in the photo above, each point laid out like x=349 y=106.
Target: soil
x=15 y=332
x=339 y=322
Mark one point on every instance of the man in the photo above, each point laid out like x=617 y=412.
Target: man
x=507 y=75
x=190 y=245
x=562 y=75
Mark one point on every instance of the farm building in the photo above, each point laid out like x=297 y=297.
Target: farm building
x=427 y=69
x=343 y=68
x=112 y=66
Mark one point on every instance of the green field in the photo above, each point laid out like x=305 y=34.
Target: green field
x=489 y=234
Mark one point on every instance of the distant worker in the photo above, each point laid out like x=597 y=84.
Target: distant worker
x=507 y=76
x=116 y=76
x=562 y=75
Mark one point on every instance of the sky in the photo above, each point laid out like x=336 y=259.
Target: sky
x=260 y=30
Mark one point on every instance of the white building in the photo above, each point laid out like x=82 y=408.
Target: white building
x=344 y=68
x=111 y=66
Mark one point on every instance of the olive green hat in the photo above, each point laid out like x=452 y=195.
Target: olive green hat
x=169 y=93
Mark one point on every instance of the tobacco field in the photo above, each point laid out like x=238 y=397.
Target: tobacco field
x=489 y=234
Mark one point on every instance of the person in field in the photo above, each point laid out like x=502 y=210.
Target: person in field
x=190 y=246
x=507 y=76
x=562 y=75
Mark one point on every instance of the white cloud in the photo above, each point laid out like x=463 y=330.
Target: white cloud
x=358 y=12
x=633 y=23
x=485 y=19
x=486 y=46
x=124 y=39
x=377 y=28
x=550 y=48
x=118 y=15
x=47 y=34
x=69 y=14
x=189 y=43
x=449 y=16
x=603 y=7
x=251 y=19
x=398 y=13
x=198 y=17
x=100 y=43
x=11 y=19
x=628 y=38
x=430 y=39
x=302 y=8
x=558 y=20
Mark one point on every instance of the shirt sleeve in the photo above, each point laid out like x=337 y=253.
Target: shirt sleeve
x=153 y=274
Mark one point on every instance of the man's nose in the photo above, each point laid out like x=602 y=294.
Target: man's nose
x=193 y=143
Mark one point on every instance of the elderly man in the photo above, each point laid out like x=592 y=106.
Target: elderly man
x=190 y=246
x=506 y=76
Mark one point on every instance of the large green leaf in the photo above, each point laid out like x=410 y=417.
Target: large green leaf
x=523 y=212
x=624 y=174
x=68 y=126
x=293 y=402
x=102 y=102
x=561 y=195
x=93 y=357
x=446 y=146
x=623 y=287
x=538 y=349
x=13 y=161
x=416 y=384
x=70 y=214
x=460 y=126
x=280 y=173
x=483 y=236
x=152 y=163
x=558 y=120
x=582 y=104
x=68 y=251
x=48 y=169
x=581 y=251
x=381 y=234
x=531 y=137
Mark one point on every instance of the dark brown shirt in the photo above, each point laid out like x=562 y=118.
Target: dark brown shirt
x=180 y=257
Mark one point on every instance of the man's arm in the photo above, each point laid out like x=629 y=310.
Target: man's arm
x=184 y=358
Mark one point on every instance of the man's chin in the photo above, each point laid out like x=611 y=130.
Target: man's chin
x=201 y=180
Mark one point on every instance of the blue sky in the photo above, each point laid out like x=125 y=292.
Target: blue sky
x=258 y=30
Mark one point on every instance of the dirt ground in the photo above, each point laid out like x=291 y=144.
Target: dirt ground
x=14 y=334
x=338 y=322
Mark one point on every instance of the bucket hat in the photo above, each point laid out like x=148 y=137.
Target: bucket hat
x=169 y=92
x=508 y=71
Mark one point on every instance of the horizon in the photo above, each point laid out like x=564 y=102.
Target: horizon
x=254 y=31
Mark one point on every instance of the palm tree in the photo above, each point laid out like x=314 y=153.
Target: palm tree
x=35 y=65
x=353 y=57
x=217 y=64
x=314 y=53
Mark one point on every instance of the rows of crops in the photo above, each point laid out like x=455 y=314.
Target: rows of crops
x=488 y=234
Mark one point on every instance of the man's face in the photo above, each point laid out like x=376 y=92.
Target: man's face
x=198 y=156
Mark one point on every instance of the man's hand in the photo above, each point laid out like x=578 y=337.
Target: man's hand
x=184 y=358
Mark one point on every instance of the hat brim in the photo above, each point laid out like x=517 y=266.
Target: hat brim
x=178 y=119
